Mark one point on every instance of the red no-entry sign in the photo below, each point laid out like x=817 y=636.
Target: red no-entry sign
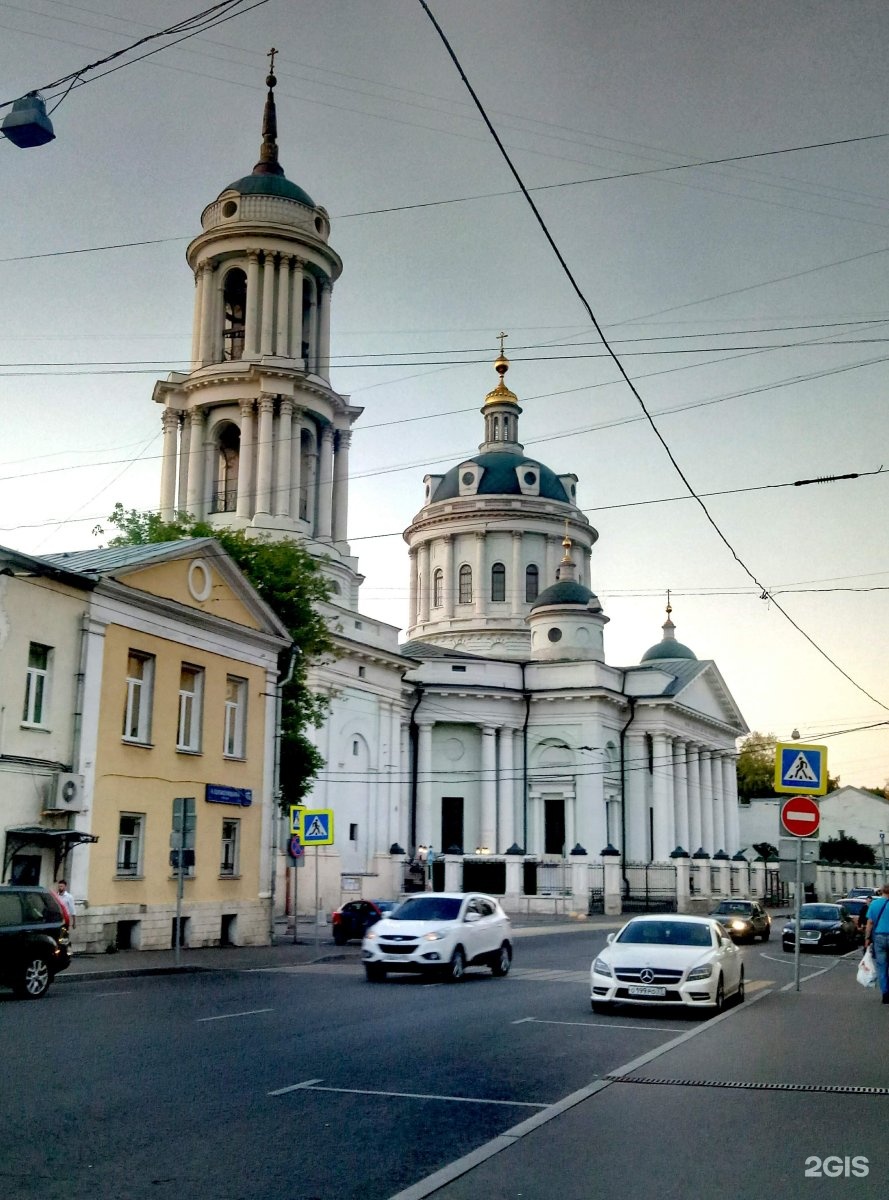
x=800 y=816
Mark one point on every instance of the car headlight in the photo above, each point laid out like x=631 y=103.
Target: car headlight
x=740 y=925
x=435 y=935
x=703 y=972
x=370 y=935
x=601 y=967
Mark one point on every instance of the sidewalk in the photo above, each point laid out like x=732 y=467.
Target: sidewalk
x=284 y=953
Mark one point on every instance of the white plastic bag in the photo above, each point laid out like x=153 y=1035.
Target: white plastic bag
x=867 y=970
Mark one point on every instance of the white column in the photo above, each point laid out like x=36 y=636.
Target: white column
x=403 y=835
x=312 y=485
x=517 y=598
x=245 y=462
x=730 y=800
x=296 y=458
x=636 y=818
x=197 y=323
x=184 y=451
x=208 y=307
x=170 y=423
x=693 y=771
x=480 y=582
x=707 y=804
x=325 y=484
x=718 y=802
x=312 y=299
x=296 y=308
x=284 y=456
x=265 y=453
x=505 y=792
x=450 y=583
x=196 y=463
x=341 y=485
x=282 y=333
x=395 y=785
x=488 y=832
x=413 y=558
x=424 y=784
x=423 y=567
x=267 y=327
x=324 y=329
x=681 y=796
x=251 y=316
x=663 y=823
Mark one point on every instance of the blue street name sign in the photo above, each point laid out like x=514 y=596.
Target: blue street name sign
x=800 y=769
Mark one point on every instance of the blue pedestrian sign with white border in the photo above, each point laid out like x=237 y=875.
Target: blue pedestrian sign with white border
x=316 y=827
x=800 y=769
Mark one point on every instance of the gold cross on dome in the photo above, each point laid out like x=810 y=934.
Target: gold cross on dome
x=503 y=336
x=271 y=55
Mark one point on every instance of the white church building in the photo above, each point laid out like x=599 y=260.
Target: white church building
x=497 y=725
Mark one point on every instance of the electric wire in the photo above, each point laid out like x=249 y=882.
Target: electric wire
x=617 y=362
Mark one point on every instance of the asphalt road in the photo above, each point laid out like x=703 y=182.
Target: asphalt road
x=302 y=1082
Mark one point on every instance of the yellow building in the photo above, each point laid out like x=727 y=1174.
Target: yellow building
x=180 y=675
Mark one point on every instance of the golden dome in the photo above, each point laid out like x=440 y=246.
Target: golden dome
x=501 y=393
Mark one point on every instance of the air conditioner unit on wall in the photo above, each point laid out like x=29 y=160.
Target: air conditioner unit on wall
x=66 y=793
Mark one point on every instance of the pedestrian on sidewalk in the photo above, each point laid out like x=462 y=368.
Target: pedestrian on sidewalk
x=876 y=935
x=67 y=901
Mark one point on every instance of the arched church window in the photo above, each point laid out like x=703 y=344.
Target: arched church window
x=532 y=583
x=228 y=444
x=437 y=588
x=308 y=322
x=465 y=589
x=234 y=298
x=498 y=582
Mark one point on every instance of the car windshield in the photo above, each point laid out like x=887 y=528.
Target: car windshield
x=738 y=907
x=819 y=912
x=428 y=908
x=666 y=933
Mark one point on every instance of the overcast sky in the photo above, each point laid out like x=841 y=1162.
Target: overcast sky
x=747 y=301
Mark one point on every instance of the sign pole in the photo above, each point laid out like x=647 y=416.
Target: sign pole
x=796 y=907
x=295 y=899
x=317 y=935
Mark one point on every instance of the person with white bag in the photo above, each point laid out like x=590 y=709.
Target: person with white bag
x=876 y=938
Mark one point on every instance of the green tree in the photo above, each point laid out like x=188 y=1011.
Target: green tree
x=847 y=849
x=756 y=767
x=289 y=581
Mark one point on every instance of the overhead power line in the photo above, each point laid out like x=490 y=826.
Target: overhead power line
x=617 y=362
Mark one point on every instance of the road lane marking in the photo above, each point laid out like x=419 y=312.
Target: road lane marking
x=598 y=1025
x=251 y=1012
x=454 y=1170
x=310 y=1085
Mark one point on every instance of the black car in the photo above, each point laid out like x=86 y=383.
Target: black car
x=34 y=940
x=822 y=927
x=351 y=922
x=856 y=907
x=745 y=920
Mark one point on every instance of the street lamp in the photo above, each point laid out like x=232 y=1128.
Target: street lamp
x=27 y=124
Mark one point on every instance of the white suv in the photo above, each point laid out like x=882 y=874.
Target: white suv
x=440 y=933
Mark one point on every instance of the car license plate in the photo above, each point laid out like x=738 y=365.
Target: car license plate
x=646 y=991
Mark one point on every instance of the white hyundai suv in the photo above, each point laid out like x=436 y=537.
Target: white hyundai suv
x=440 y=933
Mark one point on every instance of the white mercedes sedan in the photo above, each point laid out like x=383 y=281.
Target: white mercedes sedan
x=668 y=959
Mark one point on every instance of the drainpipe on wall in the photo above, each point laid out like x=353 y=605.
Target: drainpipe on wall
x=276 y=792
x=623 y=786
x=526 y=695
x=414 y=736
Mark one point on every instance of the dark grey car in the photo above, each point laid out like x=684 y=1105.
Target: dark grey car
x=34 y=940
x=745 y=920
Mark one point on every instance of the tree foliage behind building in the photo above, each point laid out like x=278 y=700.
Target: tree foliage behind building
x=289 y=581
x=756 y=767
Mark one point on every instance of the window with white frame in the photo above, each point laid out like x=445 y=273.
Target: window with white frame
x=137 y=709
x=437 y=588
x=230 y=849
x=130 y=844
x=234 y=740
x=36 y=684
x=464 y=589
x=498 y=582
x=191 y=694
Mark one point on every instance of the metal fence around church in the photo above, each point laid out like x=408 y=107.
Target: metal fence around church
x=647 y=887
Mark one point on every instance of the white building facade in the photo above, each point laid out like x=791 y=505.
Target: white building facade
x=498 y=725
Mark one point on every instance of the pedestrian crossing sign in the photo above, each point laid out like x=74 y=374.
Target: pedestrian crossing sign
x=800 y=769
x=316 y=827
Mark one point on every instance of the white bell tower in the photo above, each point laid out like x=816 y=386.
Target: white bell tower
x=255 y=437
